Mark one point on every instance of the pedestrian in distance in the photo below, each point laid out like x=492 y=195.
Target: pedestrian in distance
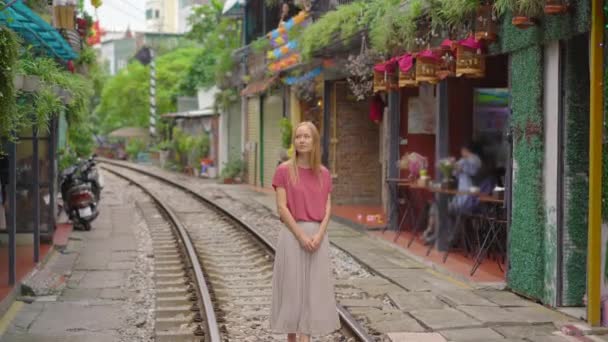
x=303 y=298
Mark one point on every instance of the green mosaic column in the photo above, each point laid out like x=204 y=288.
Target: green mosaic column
x=526 y=253
x=576 y=166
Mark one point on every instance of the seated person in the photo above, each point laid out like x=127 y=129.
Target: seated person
x=466 y=170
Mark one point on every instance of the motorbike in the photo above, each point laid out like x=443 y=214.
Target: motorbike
x=79 y=200
x=90 y=174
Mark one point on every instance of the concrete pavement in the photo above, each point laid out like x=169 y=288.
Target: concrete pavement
x=96 y=288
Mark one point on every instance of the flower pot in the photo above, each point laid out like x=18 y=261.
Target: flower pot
x=523 y=22
x=229 y=181
x=555 y=9
x=31 y=83
x=18 y=82
x=448 y=184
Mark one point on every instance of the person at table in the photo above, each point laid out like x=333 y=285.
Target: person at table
x=467 y=170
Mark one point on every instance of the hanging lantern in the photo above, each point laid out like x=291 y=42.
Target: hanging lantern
x=486 y=23
x=470 y=61
x=447 y=65
x=556 y=7
x=407 y=71
x=427 y=65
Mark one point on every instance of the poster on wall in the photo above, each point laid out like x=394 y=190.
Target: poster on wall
x=421 y=111
x=490 y=122
x=491 y=110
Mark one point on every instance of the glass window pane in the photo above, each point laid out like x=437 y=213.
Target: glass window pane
x=45 y=163
x=25 y=210
x=24 y=162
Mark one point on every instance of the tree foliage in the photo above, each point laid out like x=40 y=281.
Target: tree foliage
x=219 y=37
x=125 y=97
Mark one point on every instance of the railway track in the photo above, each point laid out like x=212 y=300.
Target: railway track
x=213 y=272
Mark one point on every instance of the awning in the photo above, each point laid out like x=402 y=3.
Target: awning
x=36 y=31
x=258 y=86
x=233 y=7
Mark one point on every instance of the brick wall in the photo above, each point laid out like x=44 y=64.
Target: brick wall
x=357 y=160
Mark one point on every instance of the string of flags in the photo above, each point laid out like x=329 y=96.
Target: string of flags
x=303 y=78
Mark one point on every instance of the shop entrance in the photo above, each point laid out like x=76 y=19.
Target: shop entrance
x=437 y=122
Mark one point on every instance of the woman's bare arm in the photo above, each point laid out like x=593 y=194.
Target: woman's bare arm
x=324 y=224
x=289 y=221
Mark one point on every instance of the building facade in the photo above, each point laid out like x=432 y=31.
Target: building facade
x=162 y=16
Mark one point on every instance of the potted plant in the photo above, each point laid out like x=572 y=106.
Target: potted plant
x=446 y=166
x=524 y=11
x=232 y=171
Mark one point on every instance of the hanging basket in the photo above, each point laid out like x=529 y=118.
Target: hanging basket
x=407 y=71
x=470 y=61
x=427 y=66
x=486 y=24
x=556 y=7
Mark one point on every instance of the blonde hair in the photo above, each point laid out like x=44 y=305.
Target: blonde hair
x=314 y=156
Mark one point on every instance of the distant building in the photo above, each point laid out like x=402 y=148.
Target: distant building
x=162 y=16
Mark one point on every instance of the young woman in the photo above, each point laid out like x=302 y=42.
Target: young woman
x=303 y=300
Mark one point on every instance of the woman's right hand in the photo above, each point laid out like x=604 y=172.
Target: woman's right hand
x=306 y=242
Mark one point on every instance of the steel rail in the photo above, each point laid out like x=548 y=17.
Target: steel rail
x=356 y=328
x=202 y=288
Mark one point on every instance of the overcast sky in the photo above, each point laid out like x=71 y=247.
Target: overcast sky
x=116 y=15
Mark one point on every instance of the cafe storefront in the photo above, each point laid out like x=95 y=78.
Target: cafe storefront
x=437 y=118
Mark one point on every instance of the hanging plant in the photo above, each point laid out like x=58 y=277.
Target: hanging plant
x=9 y=47
x=361 y=71
x=524 y=11
x=455 y=12
x=306 y=91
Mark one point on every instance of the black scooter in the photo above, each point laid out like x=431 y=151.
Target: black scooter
x=79 y=200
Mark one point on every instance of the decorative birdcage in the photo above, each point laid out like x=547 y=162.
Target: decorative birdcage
x=447 y=67
x=422 y=36
x=470 y=61
x=407 y=71
x=486 y=23
x=379 y=81
x=385 y=76
x=427 y=66
x=556 y=7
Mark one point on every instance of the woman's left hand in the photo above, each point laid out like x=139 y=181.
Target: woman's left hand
x=316 y=241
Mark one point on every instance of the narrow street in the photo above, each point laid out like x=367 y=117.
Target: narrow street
x=108 y=292
x=337 y=170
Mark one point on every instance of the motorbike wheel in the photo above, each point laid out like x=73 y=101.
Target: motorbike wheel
x=86 y=226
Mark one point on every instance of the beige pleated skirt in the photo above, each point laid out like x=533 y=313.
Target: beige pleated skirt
x=303 y=299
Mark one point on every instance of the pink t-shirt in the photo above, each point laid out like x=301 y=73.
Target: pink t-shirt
x=306 y=200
